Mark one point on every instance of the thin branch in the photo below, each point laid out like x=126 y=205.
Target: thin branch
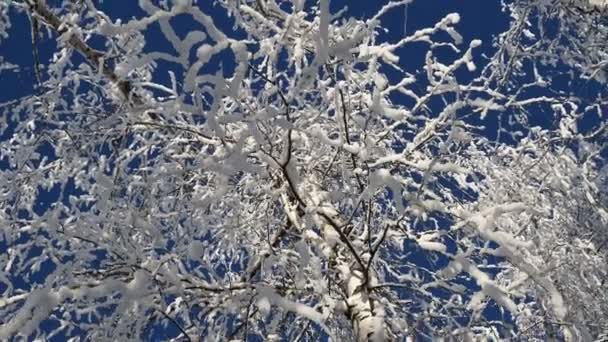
x=179 y=327
x=208 y=139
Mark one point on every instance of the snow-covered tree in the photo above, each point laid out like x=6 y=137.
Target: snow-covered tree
x=286 y=175
x=567 y=231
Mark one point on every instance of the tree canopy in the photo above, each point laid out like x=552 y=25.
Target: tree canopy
x=282 y=170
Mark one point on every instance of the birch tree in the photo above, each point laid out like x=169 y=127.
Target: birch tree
x=291 y=177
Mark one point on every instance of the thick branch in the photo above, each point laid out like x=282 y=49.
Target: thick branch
x=94 y=57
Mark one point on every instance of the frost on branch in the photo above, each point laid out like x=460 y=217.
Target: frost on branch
x=567 y=263
x=292 y=177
